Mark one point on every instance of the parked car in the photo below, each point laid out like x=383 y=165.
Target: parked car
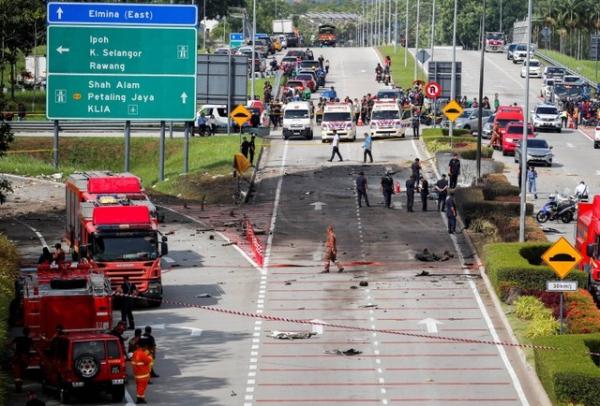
x=469 y=119
x=218 y=111
x=520 y=53
x=538 y=152
x=223 y=51
x=298 y=53
x=309 y=64
x=312 y=74
x=546 y=117
x=535 y=69
x=512 y=135
x=509 y=50
x=308 y=80
x=390 y=94
x=488 y=126
x=554 y=72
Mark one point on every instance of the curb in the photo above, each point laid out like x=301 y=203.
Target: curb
x=251 y=186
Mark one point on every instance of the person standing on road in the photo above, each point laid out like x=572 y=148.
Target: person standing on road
x=564 y=118
x=387 y=187
x=331 y=251
x=141 y=362
x=326 y=66
x=532 y=181
x=361 y=189
x=424 y=190
x=410 y=193
x=22 y=346
x=134 y=342
x=252 y=148
x=416 y=124
x=147 y=336
x=441 y=187
x=496 y=102
x=454 y=170
x=245 y=147
x=321 y=59
x=416 y=168
x=335 y=147
x=128 y=290
x=451 y=212
x=367 y=146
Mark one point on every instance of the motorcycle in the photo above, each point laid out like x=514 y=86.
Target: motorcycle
x=558 y=207
x=378 y=77
x=387 y=79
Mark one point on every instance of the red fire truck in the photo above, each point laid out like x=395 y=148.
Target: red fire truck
x=111 y=220
x=82 y=358
x=587 y=242
x=494 y=42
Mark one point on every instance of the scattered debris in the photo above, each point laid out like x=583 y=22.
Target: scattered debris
x=551 y=230
x=204 y=295
x=423 y=273
x=364 y=283
x=368 y=306
x=233 y=394
x=427 y=256
x=226 y=244
x=170 y=233
x=353 y=287
x=348 y=352
x=290 y=281
x=292 y=335
x=211 y=237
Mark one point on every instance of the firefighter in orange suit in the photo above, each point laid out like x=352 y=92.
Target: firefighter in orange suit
x=142 y=361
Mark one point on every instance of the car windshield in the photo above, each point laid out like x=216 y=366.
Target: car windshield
x=534 y=63
x=289 y=59
x=504 y=123
x=518 y=129
x=521 y=47
x=546 y=110
x=567 y=90
x=95 y=348
x=385 y=115
x=491 y=118
x=295 y=114
x=310 y=64
x=389 y=95
x=537 y=144
x=337 y=116
x=304 y=77
x=125 y=246
x=466 y=114
x=554 y=70
x=294 y=83
x=494 y=35
x=570 y=79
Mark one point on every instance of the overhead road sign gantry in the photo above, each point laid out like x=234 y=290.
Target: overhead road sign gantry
x=101 y=69
x=122 y=14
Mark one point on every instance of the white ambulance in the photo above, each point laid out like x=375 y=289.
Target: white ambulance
x=338 y=117
x=388 y=119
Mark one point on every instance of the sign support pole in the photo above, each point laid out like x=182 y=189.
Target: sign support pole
x=170 y=129
x=186 y=148
x=480 y=110
x=127 y=143
x=229 y=79
x=434 y=110
x=162 y=151
x=55 y=144
x=561 y=312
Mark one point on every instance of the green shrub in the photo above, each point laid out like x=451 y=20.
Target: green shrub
x=569 y=374
x=505 y=264
x=437 y=132
x=486 y=152
x=542 y=325
x=9 y=265
x=527 y=307
x=471 y=204
x=497 y=185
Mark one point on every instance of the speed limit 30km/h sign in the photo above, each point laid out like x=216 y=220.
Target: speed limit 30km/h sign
x=433 y=90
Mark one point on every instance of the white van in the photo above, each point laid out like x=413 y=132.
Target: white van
x=297 y=120
x=218 y=111
x=338 y=117
x=388 y=119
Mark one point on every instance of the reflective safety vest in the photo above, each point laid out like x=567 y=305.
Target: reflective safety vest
x=141 y=362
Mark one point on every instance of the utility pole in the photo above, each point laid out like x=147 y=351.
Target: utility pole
x=253 y=48
x=523 y=162
x=501 y=16
x=453 y=71
x=396 y=26
x=480 y=111
x=417 y=37
x=406 y=37
x=204 y=25
x=390 y=23
x=432 y=28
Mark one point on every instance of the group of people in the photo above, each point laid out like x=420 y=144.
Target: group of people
x=205 y=125
x=57 y=257
x=248 y=148
x=417 y=184
x=485 y=103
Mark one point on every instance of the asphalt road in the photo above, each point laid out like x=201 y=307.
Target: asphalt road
x=573 y=149
x=215 y=359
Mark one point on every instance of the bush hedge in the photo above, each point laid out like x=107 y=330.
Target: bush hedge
x=9 y=265
x=436 y=132
x=569 y=375
x=581 y=312
x=486 y=152
x=511 y=265
x=471 y=204
x=496 y=185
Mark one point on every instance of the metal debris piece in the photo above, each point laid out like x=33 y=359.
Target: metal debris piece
x=292 y=335
x=348 y=352
x=203 y=295
x=423 y=273
x=368 y=306
x=364 y=283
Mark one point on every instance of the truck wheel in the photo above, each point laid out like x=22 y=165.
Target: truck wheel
x=86 y=366
x=117 y=393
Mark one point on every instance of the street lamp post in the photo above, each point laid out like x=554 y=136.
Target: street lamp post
x=417 y=37
x=396 y=26
x=253 y=48
x=480 y=112
x=406 y=37
x=453 y=71
x=432 y=27
x=523 y=162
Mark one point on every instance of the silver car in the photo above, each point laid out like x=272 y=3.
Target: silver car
x=488 y=127
x=469 y=119
x=538 y=152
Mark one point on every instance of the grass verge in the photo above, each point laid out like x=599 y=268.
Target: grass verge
x=585 y=68
x=210 y=160
x=401 y=75
x=9 y=264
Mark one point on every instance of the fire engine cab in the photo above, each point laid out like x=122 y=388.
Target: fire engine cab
x=111 y=221
x=494 y=42
x=587 y=242
x=82 y=358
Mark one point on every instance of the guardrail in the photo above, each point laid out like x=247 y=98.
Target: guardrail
x=560 y=65
x=75 y=126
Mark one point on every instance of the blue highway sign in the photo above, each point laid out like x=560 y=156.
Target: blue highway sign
x=122 y=14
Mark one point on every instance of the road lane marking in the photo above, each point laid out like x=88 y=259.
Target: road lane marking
x=260 y=302
x=511 y=372
x=570 y=145
x=35 y=231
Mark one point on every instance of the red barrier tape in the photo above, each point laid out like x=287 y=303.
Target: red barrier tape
x=347 y=327
x=255 y=244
